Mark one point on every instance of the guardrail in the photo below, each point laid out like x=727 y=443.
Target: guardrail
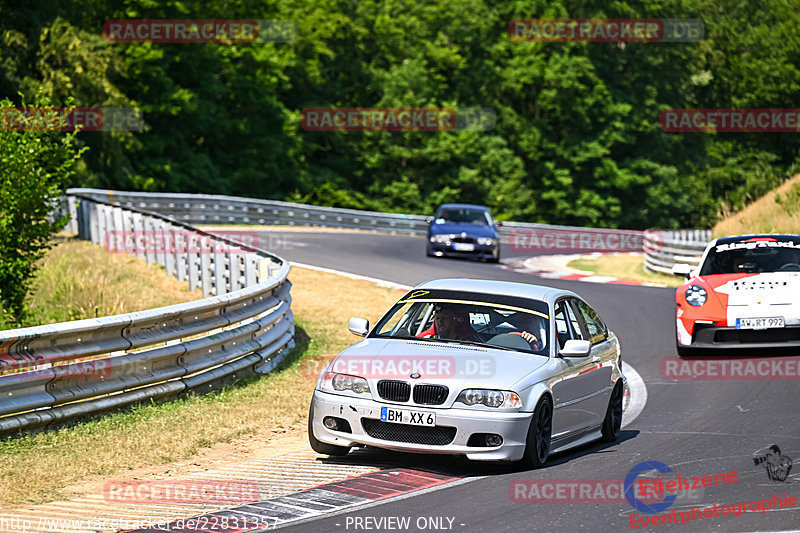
x=218 y=209
x=664 y=249
x=56 y=372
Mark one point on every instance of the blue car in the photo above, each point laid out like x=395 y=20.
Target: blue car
x=463 y=230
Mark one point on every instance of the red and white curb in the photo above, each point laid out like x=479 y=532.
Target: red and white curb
x=321 y=500
x=555 y=267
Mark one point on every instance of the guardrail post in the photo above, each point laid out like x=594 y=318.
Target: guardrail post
x=170 y=251
x=193 y=265
x=139 y=236
x=205 y=272
x=250 y=269
x=118 y=235
x=93 y=216
x=72 y=225
x=149 y=230
x=220 y=285
x=182 y=254
x=158 y=239
x=84 y=220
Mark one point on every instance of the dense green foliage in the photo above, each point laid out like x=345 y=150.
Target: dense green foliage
x=577 y=139
x=34 y=164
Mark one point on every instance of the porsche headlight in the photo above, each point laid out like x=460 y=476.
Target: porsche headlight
x=490 y=398
x=696 y=295
x=336 y=382
x=486 y=241
x=440 y=238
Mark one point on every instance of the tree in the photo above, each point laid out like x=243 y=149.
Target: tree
x=34 y=162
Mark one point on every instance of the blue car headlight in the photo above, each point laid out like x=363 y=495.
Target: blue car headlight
x=487 y=241
x=440 y=238
x=696 y=295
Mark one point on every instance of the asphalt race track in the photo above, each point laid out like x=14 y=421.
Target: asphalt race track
x=697 y=428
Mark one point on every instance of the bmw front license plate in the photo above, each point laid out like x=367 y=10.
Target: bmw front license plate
x=401 y=416
x=463 y=247
x=760 y=323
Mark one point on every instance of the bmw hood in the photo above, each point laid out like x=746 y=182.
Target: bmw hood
x=473 y=230
x=417 y=361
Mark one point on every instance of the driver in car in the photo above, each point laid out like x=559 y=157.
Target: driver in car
x=526 y=323
x=450 y=322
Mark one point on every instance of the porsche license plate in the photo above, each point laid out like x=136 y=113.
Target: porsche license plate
x=760 y=323
x=463 y=247
x=402 y=416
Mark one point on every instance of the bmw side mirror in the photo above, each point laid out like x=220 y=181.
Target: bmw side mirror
x=358 y=326
x=682 y=269
x=498 y=224
x=429 y=220
x=576 y=348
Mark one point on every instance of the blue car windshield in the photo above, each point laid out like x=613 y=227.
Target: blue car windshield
x=463 y=216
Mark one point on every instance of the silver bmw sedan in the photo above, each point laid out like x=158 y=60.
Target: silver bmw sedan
x=493 y=370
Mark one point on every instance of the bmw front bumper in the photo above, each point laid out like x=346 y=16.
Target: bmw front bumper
x=511 y=426
x=481 y=250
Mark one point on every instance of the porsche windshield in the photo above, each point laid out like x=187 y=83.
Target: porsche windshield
x=781 y=254
x=503 y=326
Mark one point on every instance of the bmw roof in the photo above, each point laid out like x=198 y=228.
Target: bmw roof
x=506 y=288
x=463 y=206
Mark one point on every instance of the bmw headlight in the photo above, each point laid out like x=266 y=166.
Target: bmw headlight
x=696 y=295
x=336 y=382
x=440 y=238
x=486 y=241
x=490 y=398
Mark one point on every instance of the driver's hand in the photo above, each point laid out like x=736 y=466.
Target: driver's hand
x=530 y=337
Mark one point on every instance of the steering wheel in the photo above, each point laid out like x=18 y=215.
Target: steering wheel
x=509 y=340
x=790 y=267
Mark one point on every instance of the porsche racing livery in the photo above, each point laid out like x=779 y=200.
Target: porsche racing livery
x=746 y=293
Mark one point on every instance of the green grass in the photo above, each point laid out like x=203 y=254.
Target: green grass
x=778 y=211
x=625 y=266
x=41 y=467
x=77 y=280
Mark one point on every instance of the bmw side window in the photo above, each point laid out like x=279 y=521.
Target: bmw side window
x=598 y=332
x=575 y=322
x=562 y=327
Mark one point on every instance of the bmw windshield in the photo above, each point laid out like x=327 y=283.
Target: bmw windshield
x=477 y=217
x=469 y=321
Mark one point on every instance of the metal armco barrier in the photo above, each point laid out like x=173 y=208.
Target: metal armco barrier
x=677 y=246
x=56 y=372
x=664 y=249
x=217 y=209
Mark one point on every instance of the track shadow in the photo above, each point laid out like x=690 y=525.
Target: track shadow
x=459 y=465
